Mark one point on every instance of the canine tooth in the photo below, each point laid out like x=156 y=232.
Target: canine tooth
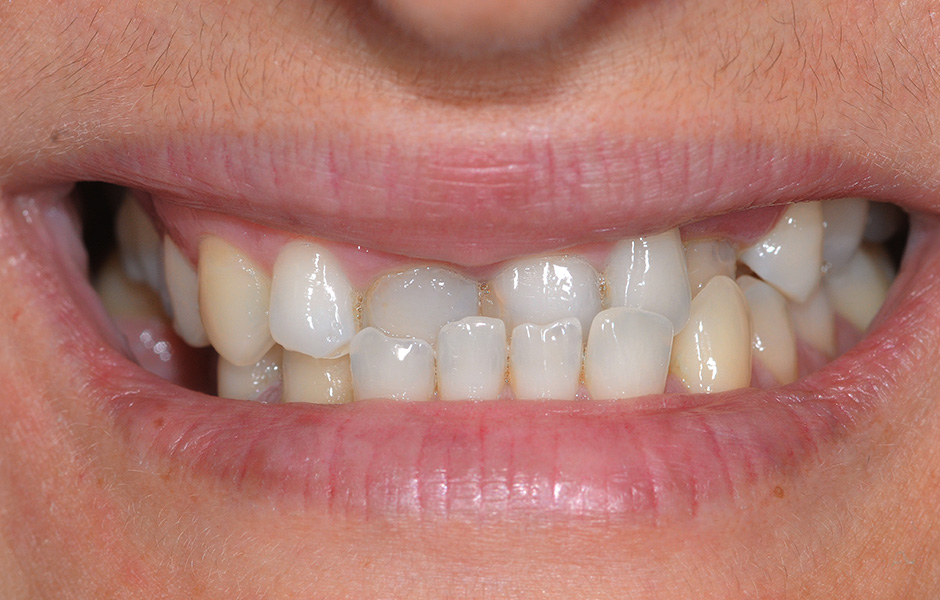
x=627 y=353
x=140 y=244
x=859 y=287
x=418 y=302
x=844 y=222
x=316 y=380
x=388 y=367
x=471 y=359
x=789 y=257
x=313 y=307
x=712 y=353
x=773 y=342
x=884 y=220
x=247 y=383
x=542 y=290
x=706 y=259
x=233 y=302
x=545 y=360
x=814 y=322
x=182 y=285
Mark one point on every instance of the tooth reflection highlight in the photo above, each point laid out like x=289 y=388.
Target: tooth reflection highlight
x=387 y=367
x=248 y=383
x=773 y=341
x=471 y=359
x=545 y=360
x=627 y=354
x=183 y=289
x=316 y=380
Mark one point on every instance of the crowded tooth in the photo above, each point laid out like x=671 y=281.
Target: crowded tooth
x=712 y=353
x=313 y=306
x=418 y=302
x=316 y=380
x=627 y=353
x=772 y=339
x=814 y=322
x=139 y=244
x=183 y=290
x=471 y=359
x=706 y=259
x=884 y=220
x=649 y=273
x=789 y=257
x=859 y=287
x=249 y=382
x=844 y=222
x=389 y=367
x=545 y=360
x=542 y=290
x=233 y=302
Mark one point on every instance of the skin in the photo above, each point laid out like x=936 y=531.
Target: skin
x=78 y=520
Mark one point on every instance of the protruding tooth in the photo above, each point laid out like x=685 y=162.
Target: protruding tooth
x=316 y=380
x=844 y=222
x=627 y=353
x=859 y=287
x=247 y=383
x=814 y=322
x=233 y=302
x=313 y=306
x=389 y=367
x=884 y=220
x=789 y=257
x=418 y=302
x=709 y=258
x=543 y=290
x=773 y=342
x=139 y=243
x=183 y=290
x=545 y=360
x=649 y=273
x=471 y=359
x=712 y=353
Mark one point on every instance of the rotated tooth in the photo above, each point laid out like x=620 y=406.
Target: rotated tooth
x=233 y=302
x=712 y=353
x=543 y=290
x=316 y=380
x=471 y=359
x=545 y=360
x=789 y=257
x=706 y=259
x=183 y=289
x=844 y=222
x=389 y=367
x=139 y=243
x=650 y=273
x=773 y=342
x=814 y=322
x=313 y=306
x=247 y=383
x=627 y=353
x=859 y=287
x=418 y=302
x=884 y=220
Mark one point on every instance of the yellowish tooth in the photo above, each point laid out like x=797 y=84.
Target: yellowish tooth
x=858 y=288
x=183 y=289
x=814 y=322
x=139 y=243
x=772 y=338
x=123 y=297
x=247 y=383
x=317 y=380
x=707 y=259
x=844 y=222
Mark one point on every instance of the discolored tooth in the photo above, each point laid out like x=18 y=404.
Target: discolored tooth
x=389 y=367
x=884 y=220
x=650 y=273
x=545 y=360
x=316 y=380
x=471 y=359
x=139 y=244
x=249 y=382
x=542 y=290
x=789 y=257
x=706 y=259
x=858 y=288
x=418 y=302
x=233 y=302
x=627 y=353
x=773 y=341
x=313 y=306
x=844 y=222
x=712 y=353
x=123 y=297
x=182 y=285
x=814 y=322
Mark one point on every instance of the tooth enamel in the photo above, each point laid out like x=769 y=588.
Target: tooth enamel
x=844 y=222
x=884 y=220
x=712 y=353
x=859 y=287
x=814 y=322
x=183 y=290
x=389 y=367
x=233 y=302
x=418 y=302
x=543 y=290
x=122 y=297
x=247 y=383
x=706 y=259
x=139 y=243
x=316 y=380
x=789 y=257
x=313 y=306
x=471 y=359
x=627 y=353
x=773 y=342
x=545 y=360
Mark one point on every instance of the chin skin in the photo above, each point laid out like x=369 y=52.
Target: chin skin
x=81 y=517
